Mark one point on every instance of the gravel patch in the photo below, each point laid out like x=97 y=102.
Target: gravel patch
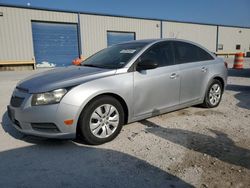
x=192 y=147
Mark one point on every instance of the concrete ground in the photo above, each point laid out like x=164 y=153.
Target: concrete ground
x=193 y=147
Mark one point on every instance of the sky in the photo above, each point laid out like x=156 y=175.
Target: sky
x=225 y=12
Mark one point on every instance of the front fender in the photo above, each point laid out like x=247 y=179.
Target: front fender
x=121 y=85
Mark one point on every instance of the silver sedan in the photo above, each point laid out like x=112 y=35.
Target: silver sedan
x=118 y=85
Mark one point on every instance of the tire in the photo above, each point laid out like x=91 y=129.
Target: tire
x=101 y=120
x=212 y=98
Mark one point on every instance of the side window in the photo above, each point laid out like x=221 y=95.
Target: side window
x=187 y=53
x=168 y=53
x=184 y=53
x=162 y=53
x=203 y=55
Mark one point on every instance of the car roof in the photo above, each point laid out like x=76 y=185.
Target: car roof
x=149 y=41
x=154 y=41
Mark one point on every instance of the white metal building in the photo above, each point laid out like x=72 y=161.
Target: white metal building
x=29 y=35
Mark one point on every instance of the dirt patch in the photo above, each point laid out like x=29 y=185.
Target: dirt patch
x=209 y=113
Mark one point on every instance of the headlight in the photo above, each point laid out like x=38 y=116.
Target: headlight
x=51 y=97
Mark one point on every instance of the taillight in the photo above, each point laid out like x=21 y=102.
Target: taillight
x=225 y=63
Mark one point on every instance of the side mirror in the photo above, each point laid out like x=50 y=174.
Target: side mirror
x=146 y=64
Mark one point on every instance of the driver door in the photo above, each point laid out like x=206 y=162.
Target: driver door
x=159 y=88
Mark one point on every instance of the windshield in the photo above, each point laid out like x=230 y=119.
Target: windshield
x=114 y=57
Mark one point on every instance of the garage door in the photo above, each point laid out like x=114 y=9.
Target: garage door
x=115 y=37
x=55 y=44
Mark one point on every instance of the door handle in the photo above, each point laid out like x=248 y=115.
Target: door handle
x=173 y=75
x=204 y=69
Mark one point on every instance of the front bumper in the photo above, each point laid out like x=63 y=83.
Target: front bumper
x=43 y=121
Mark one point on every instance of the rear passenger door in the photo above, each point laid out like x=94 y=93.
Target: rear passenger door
x=193 y=64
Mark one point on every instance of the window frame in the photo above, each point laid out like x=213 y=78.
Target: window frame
x=124 y=32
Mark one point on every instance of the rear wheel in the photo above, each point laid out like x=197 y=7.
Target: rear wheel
x=101 y=120
x=213 y=95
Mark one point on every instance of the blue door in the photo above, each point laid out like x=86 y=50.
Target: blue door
x=55 y=44
x=115 y=37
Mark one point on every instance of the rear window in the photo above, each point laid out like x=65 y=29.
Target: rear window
x=187 y=53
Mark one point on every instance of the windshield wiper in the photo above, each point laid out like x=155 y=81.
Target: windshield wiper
x=91 y=65
x=98 y=66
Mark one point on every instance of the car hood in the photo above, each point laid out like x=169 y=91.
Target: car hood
x=62 y=78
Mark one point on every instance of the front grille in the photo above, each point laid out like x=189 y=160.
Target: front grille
x=45 y=127
x=16 y=101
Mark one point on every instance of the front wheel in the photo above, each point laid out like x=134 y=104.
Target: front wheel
x=213 y=95
x=101 y=120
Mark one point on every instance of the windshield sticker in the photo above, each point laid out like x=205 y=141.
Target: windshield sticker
x=127 y=51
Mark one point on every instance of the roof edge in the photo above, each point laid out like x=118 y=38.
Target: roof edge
x=119 y=16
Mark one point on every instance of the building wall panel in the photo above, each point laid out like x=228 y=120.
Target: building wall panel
x=94 y=30
x=230 y=36
x=204 y=35
x=16 y=43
